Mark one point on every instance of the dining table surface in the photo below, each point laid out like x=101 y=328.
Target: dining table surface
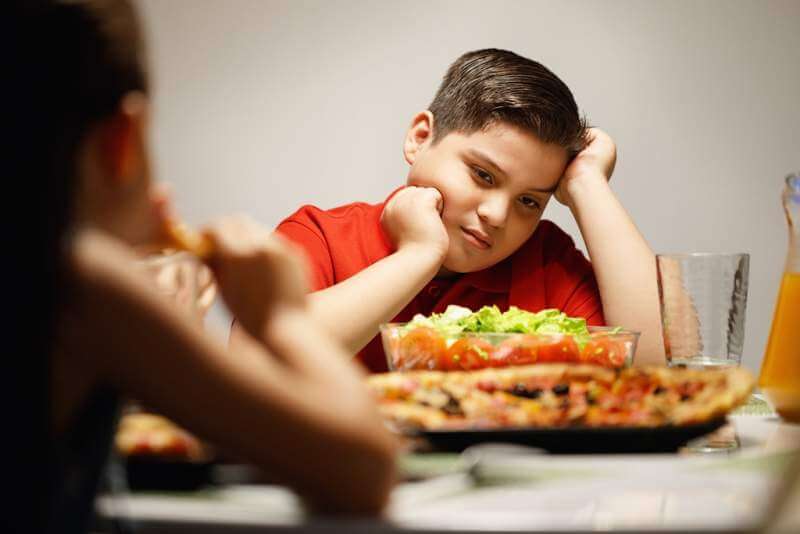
x=725 y=482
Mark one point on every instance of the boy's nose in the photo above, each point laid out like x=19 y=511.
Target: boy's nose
x=494 y=210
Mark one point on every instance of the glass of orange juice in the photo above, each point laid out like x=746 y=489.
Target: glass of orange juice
x=780 y=371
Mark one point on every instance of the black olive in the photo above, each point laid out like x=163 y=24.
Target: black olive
x=452 y=407
x=659 y=390
x=561 y=389
x=521 y=391
x=685 y=397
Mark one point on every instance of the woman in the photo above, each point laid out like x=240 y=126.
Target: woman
x=92 y=327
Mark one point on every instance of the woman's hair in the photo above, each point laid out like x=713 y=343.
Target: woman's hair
x=74 y=62
x=491 y=86
x=67 y=65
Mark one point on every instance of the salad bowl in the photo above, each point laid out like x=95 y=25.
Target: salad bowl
x=460 y=339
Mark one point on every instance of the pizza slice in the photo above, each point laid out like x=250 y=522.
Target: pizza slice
x=151 y=435
x=180 y=236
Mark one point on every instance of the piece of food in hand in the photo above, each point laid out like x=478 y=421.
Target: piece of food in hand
x=182 y=237
x=558 y=395
x=144 y=434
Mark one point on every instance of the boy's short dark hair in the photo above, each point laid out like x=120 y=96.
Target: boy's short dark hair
x=488 y=86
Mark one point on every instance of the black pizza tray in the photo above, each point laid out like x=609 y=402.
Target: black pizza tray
x=575 y=440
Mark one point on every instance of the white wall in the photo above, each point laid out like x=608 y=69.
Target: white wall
x=262 y=106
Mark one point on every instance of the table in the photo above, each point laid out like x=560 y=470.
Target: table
x=492 y=491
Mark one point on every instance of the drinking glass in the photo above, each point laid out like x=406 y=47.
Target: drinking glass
x=183 y=279
x=703 y=300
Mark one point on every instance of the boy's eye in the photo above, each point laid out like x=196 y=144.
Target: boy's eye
x=483 y=175
x=529 y=202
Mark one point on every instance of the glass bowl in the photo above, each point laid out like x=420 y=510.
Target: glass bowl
x=425 y=348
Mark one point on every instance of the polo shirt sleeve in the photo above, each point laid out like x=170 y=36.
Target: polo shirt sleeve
x=301 y=229
x=571 y=283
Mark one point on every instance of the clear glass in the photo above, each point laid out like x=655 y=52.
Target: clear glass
x=780 y=372
x=184 y=280
x=176 y=275
x=703 y=302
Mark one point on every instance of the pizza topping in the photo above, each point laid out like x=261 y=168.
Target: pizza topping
x=561 y=389
x=452 y=407
x=520 y=390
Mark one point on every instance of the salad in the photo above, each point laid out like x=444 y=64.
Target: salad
x=460 y=339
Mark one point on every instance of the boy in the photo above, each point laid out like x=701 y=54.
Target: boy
x=502 y=136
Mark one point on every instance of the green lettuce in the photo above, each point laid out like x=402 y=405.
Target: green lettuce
x=458 y=319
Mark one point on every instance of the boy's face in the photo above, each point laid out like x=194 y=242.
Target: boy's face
x=495 y=184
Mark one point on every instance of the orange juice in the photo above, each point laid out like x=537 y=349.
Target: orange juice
x=780 y=372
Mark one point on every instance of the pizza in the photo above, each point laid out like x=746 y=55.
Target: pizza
x=151 y=435
x=558 y=395
x=182 y=237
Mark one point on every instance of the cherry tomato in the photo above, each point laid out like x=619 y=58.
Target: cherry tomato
x=445 y=362
x=470 y=353
x=421 y=348
x=604 y=351
x=558 y=349
x=517 y=350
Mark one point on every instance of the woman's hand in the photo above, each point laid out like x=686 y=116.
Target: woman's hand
x=594 y=163
x=257 y=271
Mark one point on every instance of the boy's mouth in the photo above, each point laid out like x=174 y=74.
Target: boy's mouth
x=477 y=238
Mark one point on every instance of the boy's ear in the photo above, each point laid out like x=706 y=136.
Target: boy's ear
x=419 y=135
x=123 y=141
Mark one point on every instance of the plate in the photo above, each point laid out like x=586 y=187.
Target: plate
x=576 y=440
x=153 y=473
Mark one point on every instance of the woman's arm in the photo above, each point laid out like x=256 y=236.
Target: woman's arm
x=302 y=415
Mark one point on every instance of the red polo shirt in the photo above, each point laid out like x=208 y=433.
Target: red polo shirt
x=547 y=271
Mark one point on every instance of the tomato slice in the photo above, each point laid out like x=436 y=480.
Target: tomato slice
x=421 y=348
x=595 y=351
x=518 y=350
x=558 y=349
x=616 y=353
x=604 y=351
x=470 y=353
x=445 y=361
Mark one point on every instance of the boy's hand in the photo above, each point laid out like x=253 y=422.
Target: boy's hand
x=257 y=272
x=413 y=217
x=595 y=162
